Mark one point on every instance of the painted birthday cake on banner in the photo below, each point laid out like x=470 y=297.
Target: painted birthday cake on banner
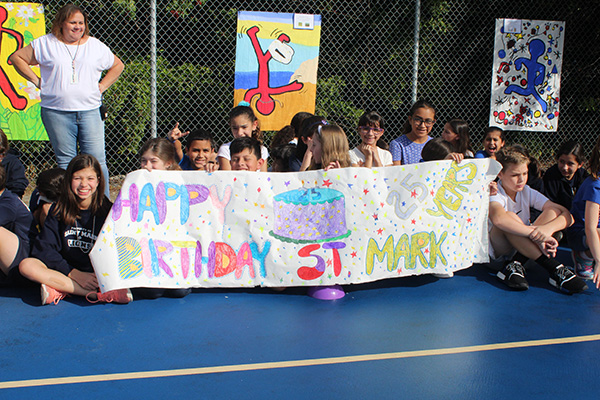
x=310 y=216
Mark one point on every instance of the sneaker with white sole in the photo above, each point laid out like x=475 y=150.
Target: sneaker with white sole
x=584 y=267
x=51 y=295
x=121 y=296
x=513 y=276
x=565 y=280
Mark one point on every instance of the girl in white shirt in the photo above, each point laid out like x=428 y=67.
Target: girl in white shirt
x=368 y=154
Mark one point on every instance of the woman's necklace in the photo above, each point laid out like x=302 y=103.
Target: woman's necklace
x=79 y=229
x=74 y=79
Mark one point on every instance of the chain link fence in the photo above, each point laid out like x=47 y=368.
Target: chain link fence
x=365 y=64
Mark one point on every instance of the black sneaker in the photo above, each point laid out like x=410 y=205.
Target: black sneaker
x=513 y=275
x=565 y=280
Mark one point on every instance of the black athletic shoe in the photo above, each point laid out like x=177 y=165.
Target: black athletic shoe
x=565 y=280
x=513 y=276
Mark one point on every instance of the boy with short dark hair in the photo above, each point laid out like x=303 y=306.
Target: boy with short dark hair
x=199 y=151
x=15 y=227
x=245 y=154
x=512 y=235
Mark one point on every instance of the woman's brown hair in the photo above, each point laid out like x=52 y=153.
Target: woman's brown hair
x=63 y=15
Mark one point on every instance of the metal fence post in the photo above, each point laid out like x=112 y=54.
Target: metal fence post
x=153 y=103
x=415 y=79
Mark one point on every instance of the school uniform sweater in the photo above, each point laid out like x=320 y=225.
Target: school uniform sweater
x=16 y=181
x=560 y=190
x=15 y=217
x=64 y=247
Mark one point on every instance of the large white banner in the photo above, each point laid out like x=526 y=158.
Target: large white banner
x=526 y=74
x=235 y=228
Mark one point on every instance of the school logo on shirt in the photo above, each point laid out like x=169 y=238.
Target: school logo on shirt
x=80 y=238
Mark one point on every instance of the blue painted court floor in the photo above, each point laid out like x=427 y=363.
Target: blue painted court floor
x=416 y=338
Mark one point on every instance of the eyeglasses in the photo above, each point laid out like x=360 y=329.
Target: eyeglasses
x=367 y=129
x=428 y=122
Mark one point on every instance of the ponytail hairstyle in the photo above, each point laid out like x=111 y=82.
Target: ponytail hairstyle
x=461 y=128
x=162 y=149
x=334 y=146
x=406 y=128
x=67 y=207
x=247 y=111
x=308 y=128
x=595 y=160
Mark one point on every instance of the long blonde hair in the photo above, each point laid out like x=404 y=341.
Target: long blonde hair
x=334 y=146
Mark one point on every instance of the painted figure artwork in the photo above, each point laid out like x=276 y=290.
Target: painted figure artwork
x=276 y=64
x=526 y=75
x=20 y=119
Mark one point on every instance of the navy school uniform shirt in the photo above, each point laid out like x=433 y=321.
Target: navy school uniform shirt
x=560 y=190
x=65 y=247
x=15 y=216
x=16 y=181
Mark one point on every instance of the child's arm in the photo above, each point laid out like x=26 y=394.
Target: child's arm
x=508 y=222
x=16 y=181
x=224 y=164
x=306 y=160
x=563 y=219
x=369 y=156
x=592 y=236
x=48 y=245
x=174 y=135
x=456 y=157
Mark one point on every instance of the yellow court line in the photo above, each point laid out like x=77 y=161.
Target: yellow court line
x=294 y=363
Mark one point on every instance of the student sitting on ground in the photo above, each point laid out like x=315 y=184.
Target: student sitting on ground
x=246 y=154
x=15 y=226
x=60 y=253
x=563 y=179
x=47 y=191
x=584 y=235
x=513 y=237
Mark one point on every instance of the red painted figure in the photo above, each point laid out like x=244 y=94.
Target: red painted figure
x=17 y=101
x=266 y=104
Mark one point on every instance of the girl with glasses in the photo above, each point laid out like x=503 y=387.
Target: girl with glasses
x=369 y=153
x=407 y=148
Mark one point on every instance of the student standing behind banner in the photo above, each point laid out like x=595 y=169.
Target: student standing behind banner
x=71 y=62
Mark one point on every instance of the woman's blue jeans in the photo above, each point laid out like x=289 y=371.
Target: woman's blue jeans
x=67 y=128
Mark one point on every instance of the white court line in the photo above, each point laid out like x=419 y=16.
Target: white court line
x=294 y=363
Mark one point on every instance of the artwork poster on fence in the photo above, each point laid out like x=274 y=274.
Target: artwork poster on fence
x=526 y=74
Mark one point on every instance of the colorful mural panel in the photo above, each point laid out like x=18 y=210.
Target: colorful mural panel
x=276 y=65
x=526 y=75
x=20 y=119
